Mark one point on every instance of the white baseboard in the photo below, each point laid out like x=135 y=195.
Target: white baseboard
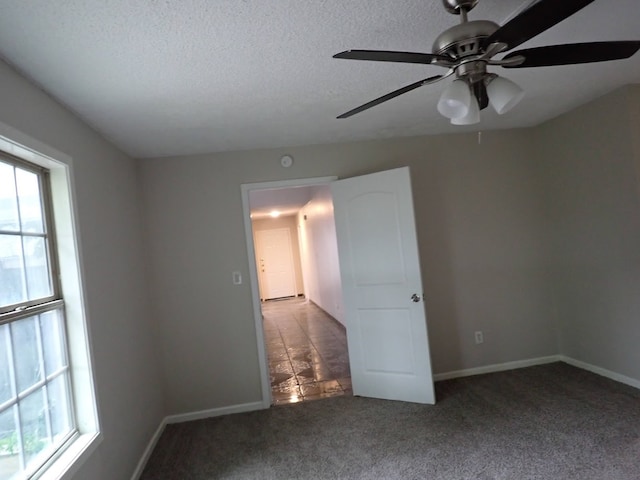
x=147 y=451
x=214 y=412
x=187 y=417
x=632 y=382
x=498 y=367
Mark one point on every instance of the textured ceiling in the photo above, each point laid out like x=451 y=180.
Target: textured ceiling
x=170 y=77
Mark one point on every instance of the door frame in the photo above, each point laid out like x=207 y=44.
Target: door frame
x=245 y=189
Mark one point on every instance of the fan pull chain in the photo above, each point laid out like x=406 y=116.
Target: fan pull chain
x=479 y=138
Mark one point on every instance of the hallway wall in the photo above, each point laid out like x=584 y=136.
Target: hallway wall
x=320 y=251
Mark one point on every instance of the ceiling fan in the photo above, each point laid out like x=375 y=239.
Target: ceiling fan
x=467 y=49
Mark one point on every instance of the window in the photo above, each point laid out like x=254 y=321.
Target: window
x=36 y=406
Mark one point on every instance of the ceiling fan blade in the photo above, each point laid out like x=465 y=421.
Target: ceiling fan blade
x=391 y=95
x=388 y=56
x=575 y=53
x=535 y=20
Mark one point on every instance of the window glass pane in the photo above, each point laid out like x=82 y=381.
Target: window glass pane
x=59 y=406
x=6 y=392
x=53 y=341
x=36 y=415
x=9 y=445
x=26 y=352
x=11 y=271
x=29 y=201
x=33 y=423
x=8 y=201
x=36 y=260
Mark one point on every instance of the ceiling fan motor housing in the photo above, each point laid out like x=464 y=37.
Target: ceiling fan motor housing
x=465 y=39
x=455 y=6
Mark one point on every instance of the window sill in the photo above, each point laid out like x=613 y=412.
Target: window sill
x=68 y=463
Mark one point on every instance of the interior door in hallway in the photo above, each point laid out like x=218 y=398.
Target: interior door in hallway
x=382 y=287
x=275 y=263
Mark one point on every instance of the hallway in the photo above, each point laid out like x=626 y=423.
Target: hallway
x=307 y=351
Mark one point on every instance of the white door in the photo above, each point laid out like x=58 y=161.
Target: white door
x=275 y=263
x=382 y=287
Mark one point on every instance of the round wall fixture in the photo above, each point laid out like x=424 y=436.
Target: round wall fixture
x=286 y=161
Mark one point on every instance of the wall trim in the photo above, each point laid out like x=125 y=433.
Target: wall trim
x=149 y=450
x=214 y=412
x=500 y=367
x=187 y=417
x=334 y=319
x=497 y=367
x=603 y=372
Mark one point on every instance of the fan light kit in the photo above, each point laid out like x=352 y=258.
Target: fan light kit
x=467 y=49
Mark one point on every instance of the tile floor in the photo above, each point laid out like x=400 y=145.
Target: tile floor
x=307 y=352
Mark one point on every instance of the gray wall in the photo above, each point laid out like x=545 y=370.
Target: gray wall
x=480 y=226
x=127 y=373
x=531 y=237
x=590 y=158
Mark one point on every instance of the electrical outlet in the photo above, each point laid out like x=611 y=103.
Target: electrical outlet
x=479 y=337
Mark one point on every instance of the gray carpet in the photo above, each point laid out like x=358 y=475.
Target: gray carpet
x=547 y=422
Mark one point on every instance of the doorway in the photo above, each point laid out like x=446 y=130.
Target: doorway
x=303 y=337
x=379 y=294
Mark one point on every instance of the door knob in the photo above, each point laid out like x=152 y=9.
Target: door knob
x=415 y=297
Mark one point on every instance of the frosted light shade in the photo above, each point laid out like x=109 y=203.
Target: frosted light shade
x=454 y=101
x=503 y=94
x=472 y=116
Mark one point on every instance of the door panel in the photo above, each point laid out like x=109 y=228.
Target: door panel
x=386 y=341
x=383 y=241
x=380 y=271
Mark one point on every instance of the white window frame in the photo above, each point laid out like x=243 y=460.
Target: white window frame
x=67 y=245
